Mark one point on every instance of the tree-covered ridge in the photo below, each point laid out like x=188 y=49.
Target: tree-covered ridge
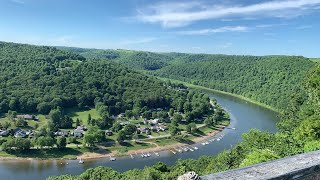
x=38 y=79
x=267 y=79
x=299 y=133
x=139 y=60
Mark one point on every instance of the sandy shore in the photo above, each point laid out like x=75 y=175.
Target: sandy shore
x=90 y=155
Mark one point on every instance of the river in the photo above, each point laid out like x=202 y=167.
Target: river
x=244 y=116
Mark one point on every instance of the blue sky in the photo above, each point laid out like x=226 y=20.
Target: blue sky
x=254 y=27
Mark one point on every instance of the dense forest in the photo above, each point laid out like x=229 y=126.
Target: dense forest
x=138 y=60
x=38 y=79
x=268 y=79
x=298 y=133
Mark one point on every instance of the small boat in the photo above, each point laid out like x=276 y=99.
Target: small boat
x=190 y=149
x=81 y=161
x=142 y=155
x=112 y=159
x=185 y=149
x=148 y=154
x=206 y=142
x=179 y=150
x=218 y=139
x=132 y=157
x=196 y=148
x=157 y=154
x=173 y=151
x=203 y=143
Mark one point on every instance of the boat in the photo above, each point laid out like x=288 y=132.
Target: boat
x=203 y=143
x=190 y=149
x=207 y=142
x=142 y=155
x=131 y=156
x=179 y=150
x=81 y=161
x=185 y=149
x=157 y=154
x=196 y=148
x=148 y=154
x=218 y=139
x=112 y=159
x=173 y=151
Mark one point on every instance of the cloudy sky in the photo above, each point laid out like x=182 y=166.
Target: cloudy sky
x=255 y=27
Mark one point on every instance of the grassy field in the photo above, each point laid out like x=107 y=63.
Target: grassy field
x=76 y=113
x=31 y=123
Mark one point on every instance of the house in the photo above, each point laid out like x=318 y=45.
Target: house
x=108 y=133
x=20 y=134
x=154 y=121
x=77 y=133
x=154 y=129
x=4 y=132
x=163 y=128
x=82 y=128
x=26 y=117
x=145 y=130
x=125 y=123
x=64 y=133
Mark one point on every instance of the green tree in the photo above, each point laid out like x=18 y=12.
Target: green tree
x=61 y=142
x=121 y=136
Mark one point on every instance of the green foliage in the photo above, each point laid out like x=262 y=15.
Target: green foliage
x=17 y=144
x=258 y=156
x=61 y=142
x=268 y=79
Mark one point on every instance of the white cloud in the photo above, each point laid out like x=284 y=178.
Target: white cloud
x=17 y=1
x=216 y=30
x=174 y=14
x=138 y=41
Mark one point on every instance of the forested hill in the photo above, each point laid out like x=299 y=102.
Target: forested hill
x=138 y=60
x=268 y=79
x=38 y=79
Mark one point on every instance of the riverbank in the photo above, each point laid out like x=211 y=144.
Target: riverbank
x=221 y=92
x=115 y=153
x=158 y=148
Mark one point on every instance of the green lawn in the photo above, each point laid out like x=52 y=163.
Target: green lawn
x=68 y=153
x=31 y=123
x=75 y=113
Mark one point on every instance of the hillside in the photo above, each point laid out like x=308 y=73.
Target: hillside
x=268 y=79
x=38 y=79
x=138 y=60
x=299 y=133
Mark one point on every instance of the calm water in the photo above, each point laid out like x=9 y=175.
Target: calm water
x=244 y=116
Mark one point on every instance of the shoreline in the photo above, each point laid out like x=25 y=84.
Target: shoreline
x=93 y=156
x=221 y=92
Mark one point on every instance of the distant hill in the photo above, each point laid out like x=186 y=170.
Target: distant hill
x=39 y=78
x=267 y=79
x=135 y=59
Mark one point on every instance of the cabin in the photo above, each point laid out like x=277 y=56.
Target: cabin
x=77 y=133
x=64 y=133
x=27 y=117
x=20 y=133
x=125 y=123
x=4 y=133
